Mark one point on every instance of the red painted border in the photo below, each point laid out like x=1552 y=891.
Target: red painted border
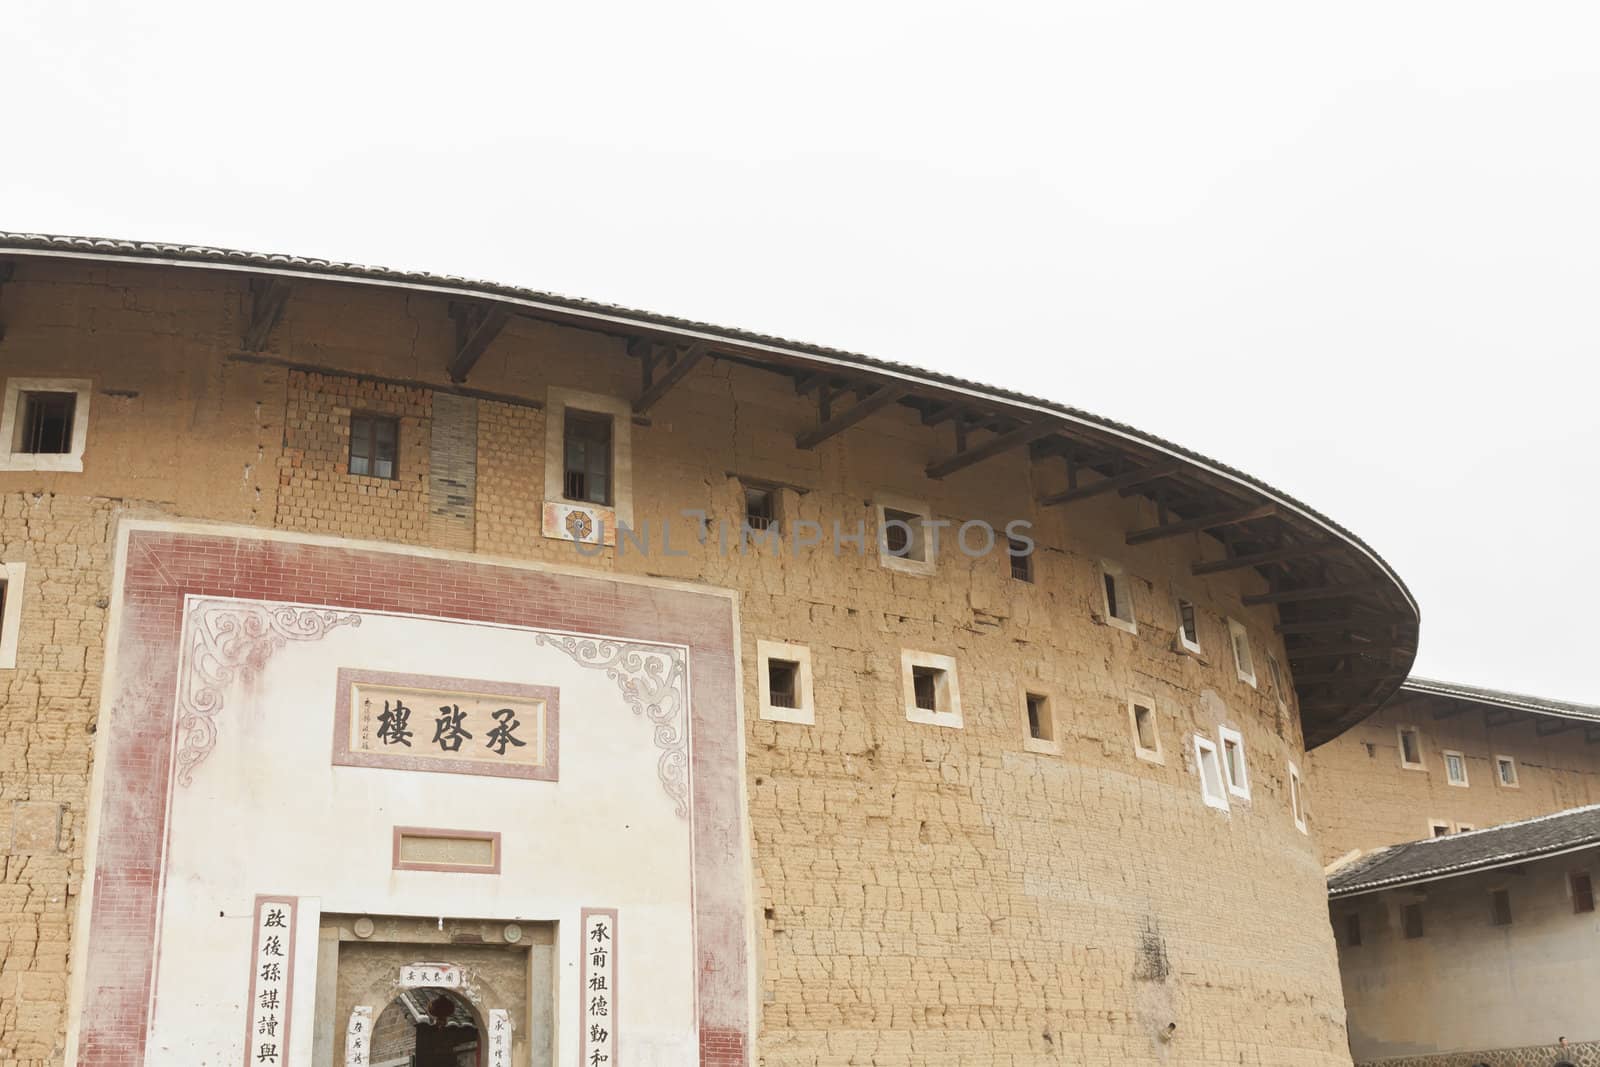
x=288 y=982
x=345 y=756
x=583 y=983
x=163 y=567
x=491 y=836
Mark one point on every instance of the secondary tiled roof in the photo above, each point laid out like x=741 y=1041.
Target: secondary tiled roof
x=1476 y=850
x=1497 y=698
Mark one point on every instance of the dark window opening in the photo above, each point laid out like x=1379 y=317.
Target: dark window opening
x=1144 y=722
x=1582 y=894
x=760 y=508
x=1111 y=595
x=374 y=446
x=1408 y=747
x=587 y=472
x=1500 y=907
x=1441 y=829
x=1191 y=632
x=927 y=684
x=1021 y=559
x=902 y=534
x=47 y=423
x=783 y=683
x=1411 y=921
x=1352 y=929
x=1039 y=724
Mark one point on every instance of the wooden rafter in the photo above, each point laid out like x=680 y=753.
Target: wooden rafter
x=1499 y=717
x=1318 y=677
x=1125 y=480
x=1214 y=521
x=1281 y=554
x=1320 y=592
x=679 y=364
x=1358 y=624
x=1548 y=728
x=1306 y=652
x=1004 y=442
x=268 y=297
x=831 y=424
x=476 y=328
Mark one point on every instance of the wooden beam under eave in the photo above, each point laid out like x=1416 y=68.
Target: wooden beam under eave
x=1272 y=555
x=670 y=377
x=886 y=395
x=1546 y=728
x=1213 y=521
x=1346 y=676
x=268 y=298
x=1126 y=480
x=1357 y=624
x=477 y=338
x=1004 y=442
x=1499 y=717
x=1321 y=592
x=1297 y=655
x=1591 y=734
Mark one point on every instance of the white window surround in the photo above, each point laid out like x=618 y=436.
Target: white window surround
x=1208 y=764
x=1279 y=686
x=1244 y=663
x=1297 y=800
x=1184 y=642
x=922 y=544
x=1238 y=779
x=1152 y=755
x=1121 y=614
x=83 y=388
x=1435 y=825
x=1459 y=761
x=11 y=623
x=1464 y=828
x=806 y=713
x=950 y=718
x=1500 y=765
x=1400 y=739
x=1050 y=744
x=556 y=506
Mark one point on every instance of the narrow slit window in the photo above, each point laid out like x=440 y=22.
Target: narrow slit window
x=926 y=683
x=783 y=683
x=1297 y=799
x=1455 y=768
x=1041 y=726
x=1275 y=670
x=1411 y=921
x=46 y=424
x=760 y=508
x=1212 y=790
x=1188 y=625
x=1117 y=597
x=1244 y=663
x=1352 y=929
x=1146 y=734
x=1233 y=763
x=1506 y=771
x=1021 y=554
x=1582 y=892
x=11 y=578
x=586 y=476
x=1500 y=907
x=374 y=444
x=1410 y=748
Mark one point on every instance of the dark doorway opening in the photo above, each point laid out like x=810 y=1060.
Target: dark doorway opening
x=427 y=1028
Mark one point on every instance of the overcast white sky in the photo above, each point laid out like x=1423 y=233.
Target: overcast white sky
x=1349 y=248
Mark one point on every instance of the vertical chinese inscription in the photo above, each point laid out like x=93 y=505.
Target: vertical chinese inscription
x=499 y=1038
x=599 y=993
x=271 y=980
x=358 y=1038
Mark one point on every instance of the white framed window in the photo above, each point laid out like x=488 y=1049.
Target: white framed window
x=1438 y=828
x=588 y=466
x=1145 y=729
x=11 y=576
x=784 y=683
x=1116 y=597
x=1464 y=828
x=1297 y=798
x=1209 y=766
x=1233 y=762
x=930 y=689
x=1455 y=768
x=1279 y=691
x=1186 y=617
x=1410 y=739
x=904 y=541
x=44 y=424
x=1505 y=772
x=1243 y=662
x=1039 y=721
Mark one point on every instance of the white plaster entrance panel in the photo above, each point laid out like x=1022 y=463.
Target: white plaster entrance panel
x=265 y=812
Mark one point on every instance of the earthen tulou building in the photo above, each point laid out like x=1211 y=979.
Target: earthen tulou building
x=403 y=669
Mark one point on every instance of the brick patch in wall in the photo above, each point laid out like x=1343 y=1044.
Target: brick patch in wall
x=453 y=471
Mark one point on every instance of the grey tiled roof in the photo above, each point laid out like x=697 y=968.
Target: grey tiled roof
x=1445 y=857
x=1497 y=698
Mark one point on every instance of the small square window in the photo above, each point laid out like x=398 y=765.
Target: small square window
x=1146 y=731
x=1411 y=748
x=1297 y=799
x=1352 y=929
x=785 y=682
x=1505 y=769
x=46 y=424
x=1020 y=553
x=1500 y=907
x=1582 y=892
x=1464 y=828
x=1116 y=597
x=1438 y=828
x=1455 y=768
x=1188 y=625
x=11 y=576
x=1212 y=789
x=1411 y=921
x=760 y=508
x=374 y=446
x=903 y=536
x=1244 y=663
x=1040 y=714
x=1233 y=762
x=586 y=464
x=931 y=694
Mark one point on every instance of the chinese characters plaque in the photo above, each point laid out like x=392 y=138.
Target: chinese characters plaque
x=271 y=979
x=358 y=1038
x=421 y=722
x=435 y=975
x=499 y=1038
x=599 y=993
